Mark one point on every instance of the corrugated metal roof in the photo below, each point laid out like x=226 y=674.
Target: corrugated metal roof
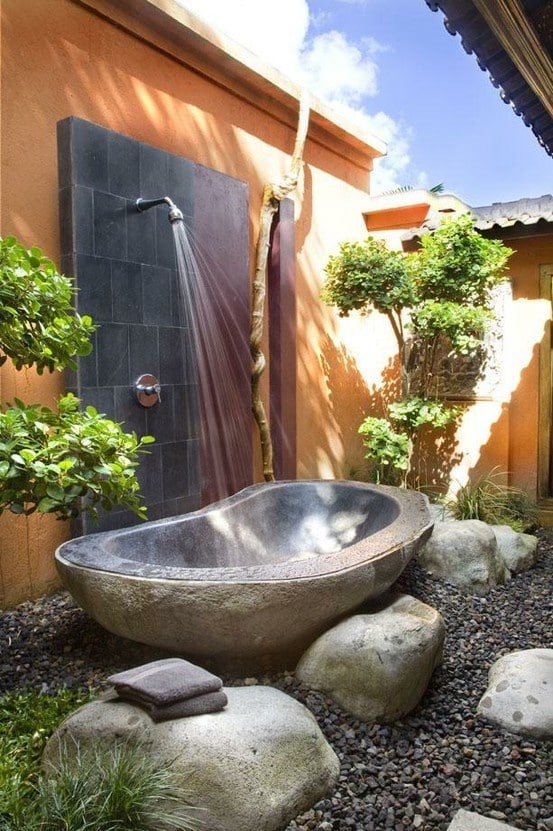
x=463 y=18
x=506 y=214
x=499 y=215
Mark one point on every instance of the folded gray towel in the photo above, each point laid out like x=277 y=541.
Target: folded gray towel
x=165 y=682
x=196 y=706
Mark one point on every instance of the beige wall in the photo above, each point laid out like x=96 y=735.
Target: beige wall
x=137 y=68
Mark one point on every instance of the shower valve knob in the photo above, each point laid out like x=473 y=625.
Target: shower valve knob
x=148 y=390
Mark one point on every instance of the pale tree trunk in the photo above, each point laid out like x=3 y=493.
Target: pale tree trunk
x=273 y=194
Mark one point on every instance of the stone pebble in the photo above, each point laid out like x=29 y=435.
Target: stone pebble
x=415 y=773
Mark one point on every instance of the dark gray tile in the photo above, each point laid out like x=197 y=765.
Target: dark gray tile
x=153 y=172
x=180 y=173
x=94 y=297
x=126 y=285
x=171 y=356
x=175 y=470
x=113 y=355
x=141 y=235
x=88 y=366
x=82 y=221
x=160 y=419
x=64 y=152
x=186 y=411
x=112 y=521
x=129 y=411
x=144 y=352
x=66 y=220
x=182 y=505
x=109 y=216
x=124 y=166
x=149 y=474
x=164 y=239
x=89 y=149
x=101 y=398
x=67 y=264
x=156 y=511
x=193 y=456
x=157 y=295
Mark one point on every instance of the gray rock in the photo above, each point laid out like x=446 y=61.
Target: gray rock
x=252 y=767
x=519 y=696
x=470 y=821
x=378 y=665
x=518 y=551
x=464 y=553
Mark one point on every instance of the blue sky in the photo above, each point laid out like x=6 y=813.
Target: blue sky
x=392 y=65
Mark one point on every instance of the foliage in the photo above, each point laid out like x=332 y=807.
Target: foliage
x=55 y=462
x=50 y=462
x=367 y=274
x=442 y=295
x=415 y=411
x=456 y=263
x=463 y=325
x=37 y=323
x=27 y=719
x=389 y=442
x=490 y=500
x=110 y=788
x=387 y=448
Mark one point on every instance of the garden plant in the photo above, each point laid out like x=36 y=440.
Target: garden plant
x=438 y=301
x=68 y=460
x=106 y=789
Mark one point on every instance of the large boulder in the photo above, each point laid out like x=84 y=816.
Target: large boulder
x=377 y=666
x=465 y=553
x=518 y=551
x=519 y=696
x=255 y=765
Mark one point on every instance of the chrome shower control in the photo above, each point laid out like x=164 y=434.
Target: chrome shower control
x=148 y=390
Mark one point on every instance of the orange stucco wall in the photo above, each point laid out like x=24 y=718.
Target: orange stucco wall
x=64 y=57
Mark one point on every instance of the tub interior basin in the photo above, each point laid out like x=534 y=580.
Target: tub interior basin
x=278 y=523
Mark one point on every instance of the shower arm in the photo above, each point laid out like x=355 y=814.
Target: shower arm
x=175 y=215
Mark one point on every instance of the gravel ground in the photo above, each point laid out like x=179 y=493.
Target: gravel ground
x=413 y=774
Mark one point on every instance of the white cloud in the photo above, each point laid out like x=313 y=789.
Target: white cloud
x=337 y=70
x=274 y=31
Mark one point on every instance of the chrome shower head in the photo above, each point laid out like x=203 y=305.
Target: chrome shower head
x=175 y=215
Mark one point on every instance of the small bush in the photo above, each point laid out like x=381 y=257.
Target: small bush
x=118 y=788
x=490 y=500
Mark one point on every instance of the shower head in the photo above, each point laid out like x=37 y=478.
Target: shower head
x=145 y=204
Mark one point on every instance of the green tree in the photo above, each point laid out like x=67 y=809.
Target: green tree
x=438 y=301
x=65 y=461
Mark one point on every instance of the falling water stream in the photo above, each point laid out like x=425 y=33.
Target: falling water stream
x=215 y=346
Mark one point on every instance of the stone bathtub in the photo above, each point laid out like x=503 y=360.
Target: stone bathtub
x=252 y=580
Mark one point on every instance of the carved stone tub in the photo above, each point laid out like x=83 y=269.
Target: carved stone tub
x=253 y=579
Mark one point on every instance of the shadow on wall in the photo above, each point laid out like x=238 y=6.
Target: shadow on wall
x=351 y=400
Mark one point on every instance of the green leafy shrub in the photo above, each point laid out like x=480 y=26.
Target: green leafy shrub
x=456 y=264
x=366 y=274
x=386 y=448
x=389 y=442
x=463 y=325
x=415 y=411
x=62 y=462
x=441 y=295
x=490 y=500
x=51 y=461
x=37 y=323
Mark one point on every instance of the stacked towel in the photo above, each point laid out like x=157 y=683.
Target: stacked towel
x=171 y=688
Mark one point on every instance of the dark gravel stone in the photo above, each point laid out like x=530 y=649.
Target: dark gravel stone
x=413 y=774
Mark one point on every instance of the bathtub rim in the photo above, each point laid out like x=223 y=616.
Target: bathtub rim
x=88 y=552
